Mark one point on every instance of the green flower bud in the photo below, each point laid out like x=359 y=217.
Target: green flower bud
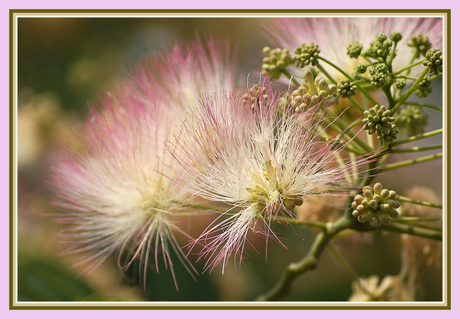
x=426 y=81
x=412 y=119
x=379 y=73
x=433 y=60
x=354 y=50
x=374 y=222
x=400 y=84
x=275 y=61
x=420 y=43
x=361 y=68
x=255 y=95
x=396 y=37
x=364 y=217
x=289 y=204
x=381 y=123
x=346 y=89
x=393 y=213
x=298 y=201
x=380 y=207
x=306 y=54
x=310 y=93
x=379 y=48
x=384 y=218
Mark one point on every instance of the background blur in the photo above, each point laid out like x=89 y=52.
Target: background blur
x=63 y=64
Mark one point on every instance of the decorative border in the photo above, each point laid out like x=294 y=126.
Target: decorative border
x=445 y=305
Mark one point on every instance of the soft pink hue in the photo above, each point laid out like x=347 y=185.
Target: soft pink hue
x=333 y=35
x=112 y=186
x=255 y=160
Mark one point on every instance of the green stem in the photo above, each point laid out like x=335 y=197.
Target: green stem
x=296 y=222
x=418 y=202
x=366 y=94
x=290 y=77
x=424 y=105
x=366 y=81
x=409 y=92
x=406 y=77
x=410 y=66
x=433 y=77
x=359 y=107
x=392 y=55
x=343 y=263
x=410 y=219
x=416 y=149
x=326 y=138
x=397 y=221
x=352 y=100
x=417 y=137
x=352 y=136
x=320 y=67
x=390 y=99
x=411 y=230
x=283 y=287
x=415 y=55
x=409 y=162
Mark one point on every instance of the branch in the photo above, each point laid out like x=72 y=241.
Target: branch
x=418 y=202
x=410 y=162
x=411 y=230
x=283 y=287
x=417 y=137
x=416 y=149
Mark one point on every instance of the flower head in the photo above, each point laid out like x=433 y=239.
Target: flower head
x=340 y=39
x=256 y=160
x=391 y=288
x=113 y=188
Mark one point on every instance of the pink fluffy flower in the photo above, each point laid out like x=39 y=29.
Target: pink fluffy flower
x=333 y=35
x=112 y=187
x=258 y=161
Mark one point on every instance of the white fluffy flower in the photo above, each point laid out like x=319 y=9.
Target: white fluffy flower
x=113 y=187
x=256 y=160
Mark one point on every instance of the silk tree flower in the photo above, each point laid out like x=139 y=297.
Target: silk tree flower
x=391 y=288
x=181 y=75
x=334 y=35
x=259 y=162
x=112 y=187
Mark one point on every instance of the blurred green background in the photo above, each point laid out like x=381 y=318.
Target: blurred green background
x=63 y=64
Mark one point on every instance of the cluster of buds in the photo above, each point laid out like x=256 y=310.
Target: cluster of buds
x=400 y=84
x=254 y=94
x=379 y=48
x=378 y=120
x=424 y=87
x=361 y=68
x=412 y=119
x=275 y=61
x=354 y=50
x=346 y=89
x=379 y=73
x=420 y=43
x=310 y=92
x=396 y=37
x=433 y=60
x=306 y=54
x=376 y=206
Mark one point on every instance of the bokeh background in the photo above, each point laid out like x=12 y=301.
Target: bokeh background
x=65 y=63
